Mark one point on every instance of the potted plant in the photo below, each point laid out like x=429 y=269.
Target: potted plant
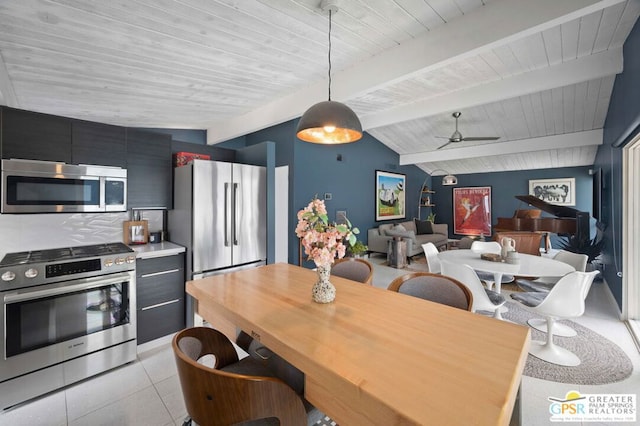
x=431 y=217
x=357 y=249
x=585 y=245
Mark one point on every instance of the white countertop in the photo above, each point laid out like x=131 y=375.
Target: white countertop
x=164 y=248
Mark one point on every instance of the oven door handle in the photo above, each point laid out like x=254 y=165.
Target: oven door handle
x=83 y=284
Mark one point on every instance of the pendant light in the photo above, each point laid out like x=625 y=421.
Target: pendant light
x=329 y=122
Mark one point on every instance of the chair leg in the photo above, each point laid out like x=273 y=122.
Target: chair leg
x=548 y=351
x=497 y=314
x=560 y=329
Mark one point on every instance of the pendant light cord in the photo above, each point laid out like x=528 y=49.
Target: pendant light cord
x=329 y=54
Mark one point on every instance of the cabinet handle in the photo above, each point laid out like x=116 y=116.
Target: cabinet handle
x=160 y=304
x=154 y=274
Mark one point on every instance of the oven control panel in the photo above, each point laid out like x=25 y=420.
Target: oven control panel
x=19 y=276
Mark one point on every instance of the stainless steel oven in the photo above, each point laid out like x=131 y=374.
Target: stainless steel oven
x=67 y=314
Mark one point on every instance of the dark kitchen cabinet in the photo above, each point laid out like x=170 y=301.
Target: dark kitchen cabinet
x=149 y=169
x=160 y=296
x=97 y=143
x=35 y=136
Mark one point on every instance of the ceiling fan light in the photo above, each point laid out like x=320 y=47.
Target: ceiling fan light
x=329 y=122
x=449 y=180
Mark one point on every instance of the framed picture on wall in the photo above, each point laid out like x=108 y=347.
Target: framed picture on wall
x=561 y=191
x=390 y=195
x=472 y=210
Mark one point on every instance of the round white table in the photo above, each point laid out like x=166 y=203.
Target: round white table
x=529 y=266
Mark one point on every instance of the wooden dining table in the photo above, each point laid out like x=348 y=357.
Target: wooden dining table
x=373 y=356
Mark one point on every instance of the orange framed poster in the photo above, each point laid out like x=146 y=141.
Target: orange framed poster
x=472 y=210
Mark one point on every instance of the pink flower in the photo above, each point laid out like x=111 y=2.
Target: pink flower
x=322 y=241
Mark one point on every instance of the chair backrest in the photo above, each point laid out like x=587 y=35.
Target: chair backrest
x=216 y=397
x=566 y=298
x=578 y=261
x=526 y=242
x=467 y=276
x=353 y=269
x=434 y=287
x=486 y=247
x=431 y=255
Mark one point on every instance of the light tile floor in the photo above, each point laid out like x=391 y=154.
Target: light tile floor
x=147 y=391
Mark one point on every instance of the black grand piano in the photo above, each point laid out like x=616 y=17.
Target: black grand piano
x=567 y=220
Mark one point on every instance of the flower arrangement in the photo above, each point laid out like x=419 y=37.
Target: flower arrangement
x=322 y=240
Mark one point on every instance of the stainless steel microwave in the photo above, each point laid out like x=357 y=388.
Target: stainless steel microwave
x=30 y=186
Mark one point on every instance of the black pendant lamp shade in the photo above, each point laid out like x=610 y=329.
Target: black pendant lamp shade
x=329 y=122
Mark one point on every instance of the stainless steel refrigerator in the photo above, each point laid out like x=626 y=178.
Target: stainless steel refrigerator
x=219 y=215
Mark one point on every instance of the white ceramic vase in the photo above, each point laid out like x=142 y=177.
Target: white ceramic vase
x=323 y=291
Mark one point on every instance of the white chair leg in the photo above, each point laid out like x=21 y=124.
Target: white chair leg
x=559 y=330
x=548 y=351
x=497 y=314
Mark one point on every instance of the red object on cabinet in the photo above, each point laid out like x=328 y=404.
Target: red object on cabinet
x=183 y=158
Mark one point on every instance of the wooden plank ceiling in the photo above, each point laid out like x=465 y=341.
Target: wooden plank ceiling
x=538 y=74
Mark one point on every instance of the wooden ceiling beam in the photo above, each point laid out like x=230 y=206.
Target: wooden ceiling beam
x=598 y=65
x=493 y=25
x=568 y=140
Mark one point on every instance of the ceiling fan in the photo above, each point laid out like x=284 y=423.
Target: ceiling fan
x=457 y=136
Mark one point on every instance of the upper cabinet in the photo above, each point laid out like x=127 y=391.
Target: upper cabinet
x=97 y=143
x=35 y=136
x=149 y=169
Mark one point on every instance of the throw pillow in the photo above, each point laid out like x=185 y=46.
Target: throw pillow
x=399 y=228
x=423 y=227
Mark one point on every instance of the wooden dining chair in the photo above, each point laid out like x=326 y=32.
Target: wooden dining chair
x=352 y=268
x=434 y=287
x=230 y=391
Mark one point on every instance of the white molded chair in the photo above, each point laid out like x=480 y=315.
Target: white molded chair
x=489 y=247
x=565 y=300
x=431 y=254
x=486 y=247
x=483 y=299
x=544 y=285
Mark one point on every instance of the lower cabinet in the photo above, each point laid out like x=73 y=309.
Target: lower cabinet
x=160 y=296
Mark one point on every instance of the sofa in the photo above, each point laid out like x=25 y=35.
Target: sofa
x=414 y=232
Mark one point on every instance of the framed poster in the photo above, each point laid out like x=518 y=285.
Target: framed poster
x=472 y=210
x=390 y=195
x=561 y=191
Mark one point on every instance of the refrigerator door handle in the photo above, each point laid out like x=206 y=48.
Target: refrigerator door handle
x=235 y=214
x=226 y=215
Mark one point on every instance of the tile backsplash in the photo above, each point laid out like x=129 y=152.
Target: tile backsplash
x=44 y=231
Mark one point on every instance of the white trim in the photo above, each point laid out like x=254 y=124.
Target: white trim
x=631 y=246
x=631 y=226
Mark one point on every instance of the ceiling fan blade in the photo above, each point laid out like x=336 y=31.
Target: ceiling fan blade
x=442 y=146
x=481 y=138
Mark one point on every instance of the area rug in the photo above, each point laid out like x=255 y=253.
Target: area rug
x=603 y=361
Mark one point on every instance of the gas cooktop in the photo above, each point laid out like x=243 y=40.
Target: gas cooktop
x=50 y=255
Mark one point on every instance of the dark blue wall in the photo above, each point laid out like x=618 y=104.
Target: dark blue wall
x=350 y=180
x=505 y=186
x=315 y=170
x=622 y=124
